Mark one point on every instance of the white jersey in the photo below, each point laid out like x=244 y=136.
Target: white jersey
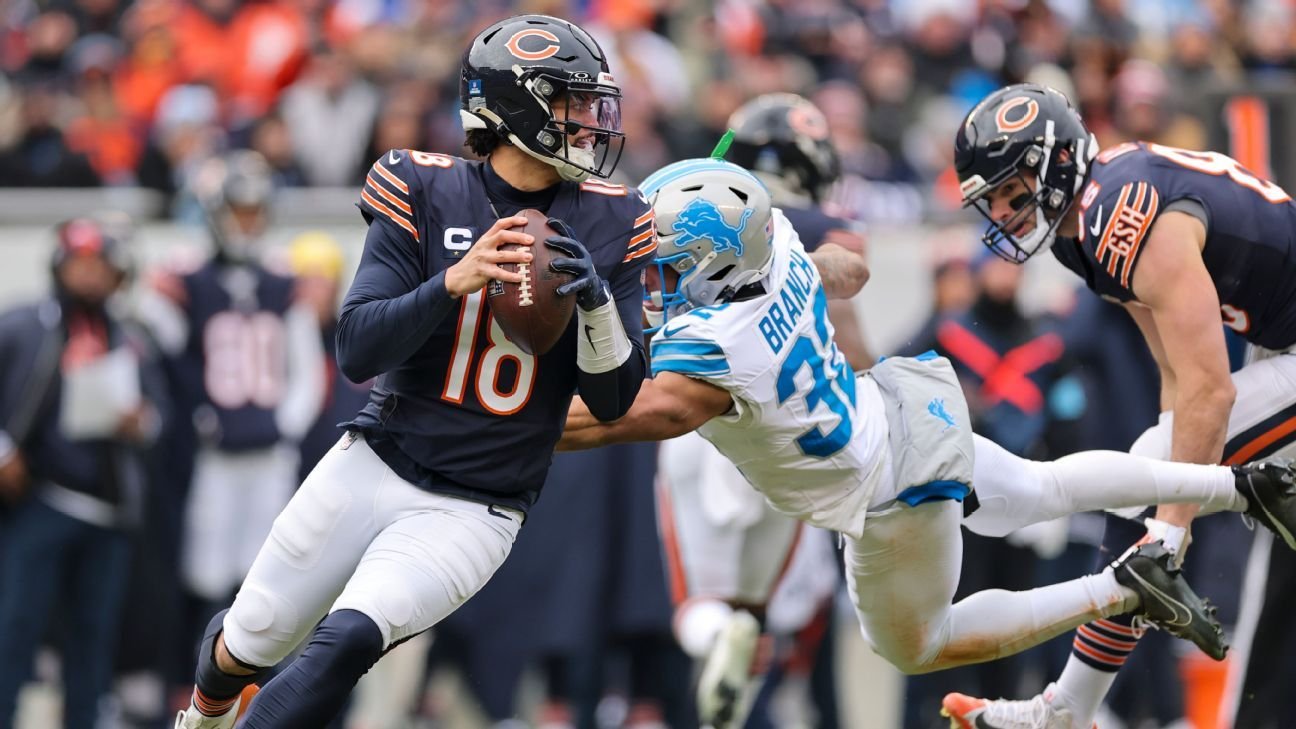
x=804 y=430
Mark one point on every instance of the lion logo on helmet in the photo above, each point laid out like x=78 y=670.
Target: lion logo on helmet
x=702 y=220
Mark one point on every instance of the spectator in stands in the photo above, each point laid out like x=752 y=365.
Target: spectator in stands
x=80 y=401
x=330 y=111
x=102 y=133
x=1145 y=110
x=186 y=134
x=41 y=156
x=273 y=140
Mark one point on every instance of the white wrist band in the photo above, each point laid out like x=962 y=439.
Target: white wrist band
x=602 y=344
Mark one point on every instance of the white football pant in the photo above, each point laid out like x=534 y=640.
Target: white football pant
x=358 y=537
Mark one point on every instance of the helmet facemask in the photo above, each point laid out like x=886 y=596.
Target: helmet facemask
x=1058 y=174
x=570 y=106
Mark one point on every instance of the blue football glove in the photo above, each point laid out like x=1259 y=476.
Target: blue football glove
x=590 y=289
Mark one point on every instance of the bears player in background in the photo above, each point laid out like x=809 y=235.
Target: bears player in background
x=745 y=355
x=1189 y=243
x=728 y=551
x=418 y=504
x=244 y=357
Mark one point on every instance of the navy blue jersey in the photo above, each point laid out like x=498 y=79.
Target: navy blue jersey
x=232 y=371
x=813 y=225
x=457 y=407
x=1250 y=224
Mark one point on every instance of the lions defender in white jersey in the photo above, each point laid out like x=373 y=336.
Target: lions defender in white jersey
x=745 y=356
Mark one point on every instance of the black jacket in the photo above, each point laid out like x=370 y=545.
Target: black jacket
x=112 y=472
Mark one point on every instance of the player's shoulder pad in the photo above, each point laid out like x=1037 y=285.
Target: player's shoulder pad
x=394 y=180
x=642 y=241
x=1117 y=208
x=689 y=344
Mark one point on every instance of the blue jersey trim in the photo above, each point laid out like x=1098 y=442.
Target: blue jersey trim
x=690 y=366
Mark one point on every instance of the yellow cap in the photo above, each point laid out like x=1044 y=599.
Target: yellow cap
x=315 y=253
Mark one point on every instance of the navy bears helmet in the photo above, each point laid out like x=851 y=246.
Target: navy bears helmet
x=783 y=139
x=520 y=78
x=1020 y=130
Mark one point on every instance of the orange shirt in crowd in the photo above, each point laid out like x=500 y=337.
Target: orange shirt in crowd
x=249 y=60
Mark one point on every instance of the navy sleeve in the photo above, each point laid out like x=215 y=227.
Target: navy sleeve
x=389 y=312
x=609 y=395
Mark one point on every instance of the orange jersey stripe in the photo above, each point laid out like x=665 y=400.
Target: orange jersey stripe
x=1154 y=203
x=390 y=197
x=640 y=238
x=388 y=212
x=643 y=219
x=393 y=179
x=639 y=253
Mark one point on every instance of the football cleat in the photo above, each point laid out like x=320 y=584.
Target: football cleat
x=195 y=719
x=1270 y=491
x=722 y=687
x=966 y=712
x=1167 y=601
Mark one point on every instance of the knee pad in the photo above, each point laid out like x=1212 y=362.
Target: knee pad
x=261 y=629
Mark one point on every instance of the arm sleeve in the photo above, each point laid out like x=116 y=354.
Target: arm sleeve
x=388 y=313
x=304 y=395
x=609 y=394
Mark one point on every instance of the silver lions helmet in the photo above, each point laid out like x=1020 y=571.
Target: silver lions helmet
x=714 y=230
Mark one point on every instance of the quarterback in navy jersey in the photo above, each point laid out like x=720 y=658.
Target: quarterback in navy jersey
x=1189 y=242
x=419 y=503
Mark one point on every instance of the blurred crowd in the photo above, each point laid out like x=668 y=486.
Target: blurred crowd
x=147 y=93
x=111 y=92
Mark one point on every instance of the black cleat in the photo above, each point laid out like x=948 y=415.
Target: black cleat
x=1167 y=601
x=1270 y=491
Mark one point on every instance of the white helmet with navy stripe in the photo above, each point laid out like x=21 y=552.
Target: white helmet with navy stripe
x=713 y=227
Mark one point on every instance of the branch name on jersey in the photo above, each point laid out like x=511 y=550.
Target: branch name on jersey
x=804 y=430
x=1250 y=249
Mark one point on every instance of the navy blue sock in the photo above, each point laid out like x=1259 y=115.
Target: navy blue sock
x=312 y=691
x=214 y=690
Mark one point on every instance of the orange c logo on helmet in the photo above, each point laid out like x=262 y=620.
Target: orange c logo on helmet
x=1023 y=121
x=515 y=44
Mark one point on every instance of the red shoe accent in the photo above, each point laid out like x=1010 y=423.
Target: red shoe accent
x=958 y=706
